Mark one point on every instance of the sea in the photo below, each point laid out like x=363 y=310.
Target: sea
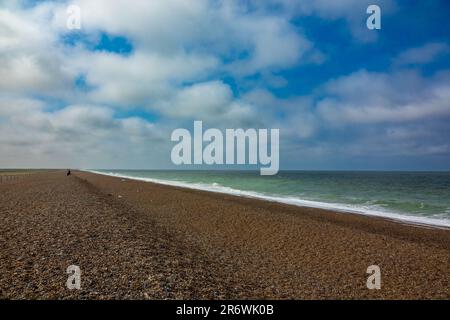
x=412 y=197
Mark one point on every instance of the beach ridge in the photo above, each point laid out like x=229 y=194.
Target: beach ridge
x=139 y=240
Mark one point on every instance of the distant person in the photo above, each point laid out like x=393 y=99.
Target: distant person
x=68 y=172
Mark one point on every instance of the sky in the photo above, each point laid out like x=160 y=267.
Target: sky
x=108 y=95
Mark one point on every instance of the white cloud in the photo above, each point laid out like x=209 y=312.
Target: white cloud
x=177 y=49
x=297 y=120
x=364 y=97
x=353 y=12
x=30 y=59
x=180 y=51
x=17 y=106
x=204 y=100
x=272 y=43
x=76 y=136
x=422 y=55
x=212 y=102
x=175 y=43
x=141 y=78
x=223 y=29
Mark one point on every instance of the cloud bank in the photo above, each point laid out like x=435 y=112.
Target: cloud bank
x=109 y=95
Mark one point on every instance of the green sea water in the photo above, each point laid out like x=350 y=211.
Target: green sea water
x=421 y=197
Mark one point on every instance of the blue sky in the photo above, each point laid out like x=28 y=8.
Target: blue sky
x=109 y=95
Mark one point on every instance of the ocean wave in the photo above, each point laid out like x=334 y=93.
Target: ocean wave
x=368 y=210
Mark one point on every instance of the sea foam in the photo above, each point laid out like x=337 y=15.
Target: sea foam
x=368 y=210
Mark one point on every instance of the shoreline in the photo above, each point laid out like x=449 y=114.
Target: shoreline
x=139 y=240
x=389 y=216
